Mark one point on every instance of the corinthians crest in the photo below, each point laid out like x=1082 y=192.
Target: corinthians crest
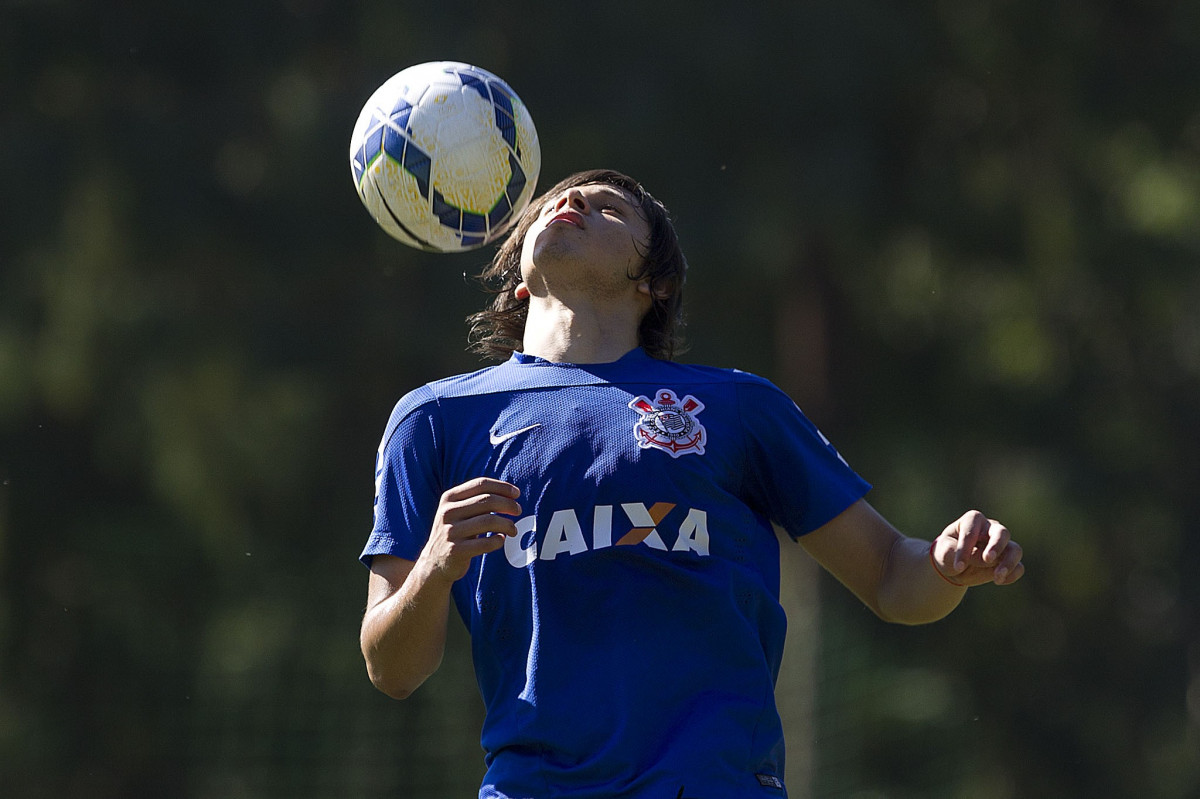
x=669 y=423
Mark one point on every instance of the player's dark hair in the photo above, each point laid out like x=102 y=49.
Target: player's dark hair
x=499 y=329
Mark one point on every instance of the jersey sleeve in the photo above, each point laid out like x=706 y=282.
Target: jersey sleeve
x=794 y=475
x=407 y=479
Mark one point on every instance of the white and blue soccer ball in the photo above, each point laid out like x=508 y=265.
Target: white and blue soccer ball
x=445 y=156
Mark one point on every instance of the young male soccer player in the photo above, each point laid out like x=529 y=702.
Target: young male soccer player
x=601 y=517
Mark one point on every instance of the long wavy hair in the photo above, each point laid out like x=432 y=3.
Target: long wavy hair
x=498 y=330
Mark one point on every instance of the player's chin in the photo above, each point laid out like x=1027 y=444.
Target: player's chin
x=550 y=241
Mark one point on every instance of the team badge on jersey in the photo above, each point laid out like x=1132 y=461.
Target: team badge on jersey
x=669 y=423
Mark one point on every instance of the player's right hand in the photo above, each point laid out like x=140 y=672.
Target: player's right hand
x=472 y=519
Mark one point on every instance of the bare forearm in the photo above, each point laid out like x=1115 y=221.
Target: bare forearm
x=404 y=636
x=911 y=590
x=408 y=602
x=905 y=580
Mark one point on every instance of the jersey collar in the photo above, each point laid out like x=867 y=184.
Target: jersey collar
x=635 y=355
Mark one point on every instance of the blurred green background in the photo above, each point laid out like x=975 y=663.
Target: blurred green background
x=964 y=235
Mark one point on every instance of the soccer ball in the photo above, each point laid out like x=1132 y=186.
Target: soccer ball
x=445 y=156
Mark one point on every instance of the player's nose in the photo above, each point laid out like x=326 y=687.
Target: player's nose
x=573 y=200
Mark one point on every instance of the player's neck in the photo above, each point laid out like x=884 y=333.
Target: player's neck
x=591 y=334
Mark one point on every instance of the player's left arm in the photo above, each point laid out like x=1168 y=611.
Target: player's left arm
x=909 y=580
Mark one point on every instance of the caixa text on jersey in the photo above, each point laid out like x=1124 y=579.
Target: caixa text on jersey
x=627 y=524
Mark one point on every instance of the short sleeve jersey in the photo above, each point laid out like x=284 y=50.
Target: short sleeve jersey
x=626 y=642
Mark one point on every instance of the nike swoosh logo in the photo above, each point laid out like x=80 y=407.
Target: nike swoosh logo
x=497 y=440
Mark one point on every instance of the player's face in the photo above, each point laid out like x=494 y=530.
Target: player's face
x=591 y=233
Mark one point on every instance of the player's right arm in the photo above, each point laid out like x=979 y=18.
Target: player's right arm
x=403 y=631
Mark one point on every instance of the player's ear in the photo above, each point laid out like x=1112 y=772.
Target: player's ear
x=658 y=293
x=521 y=292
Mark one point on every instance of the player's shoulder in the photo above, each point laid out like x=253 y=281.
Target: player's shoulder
x=488 y=380
x=426 y=397
x=747 y=390
x=702 y=373
x=414 y=403
x=425 y=401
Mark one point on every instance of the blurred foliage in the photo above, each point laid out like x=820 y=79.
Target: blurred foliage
x=964 y=235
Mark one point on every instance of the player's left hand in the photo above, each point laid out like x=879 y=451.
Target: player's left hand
x=976 y=550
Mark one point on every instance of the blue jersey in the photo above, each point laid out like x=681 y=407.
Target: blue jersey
x=627 y=641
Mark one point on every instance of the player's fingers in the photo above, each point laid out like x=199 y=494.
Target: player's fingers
x=478 y=505
x=451 y=547
x=481 y=485
x=997 y=538
x=1011 y=577
x=481 y=545
x=480 y=526
x=969 y=527
x=1010 y=566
